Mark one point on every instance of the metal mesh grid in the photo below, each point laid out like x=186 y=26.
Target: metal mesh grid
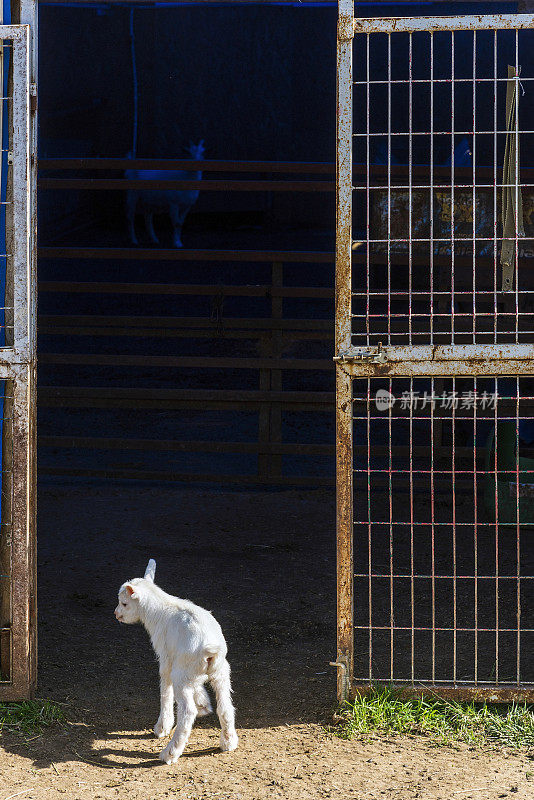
x=429 y=145
x=444 y=516
x=435 y=561
x=6 y=200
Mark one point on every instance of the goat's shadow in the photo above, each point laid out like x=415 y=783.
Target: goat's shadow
x=84 y=739
x=86 y=744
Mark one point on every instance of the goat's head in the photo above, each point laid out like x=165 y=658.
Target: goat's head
x=131 y=593
x=196 y=151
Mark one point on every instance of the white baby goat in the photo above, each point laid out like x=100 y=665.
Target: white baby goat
x=191 y=650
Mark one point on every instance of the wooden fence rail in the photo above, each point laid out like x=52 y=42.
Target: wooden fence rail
x=206 y=165
x=269 y=401
x=272 y=334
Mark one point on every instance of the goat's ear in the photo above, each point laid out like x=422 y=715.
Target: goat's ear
x=150 y=571
x=131 y=591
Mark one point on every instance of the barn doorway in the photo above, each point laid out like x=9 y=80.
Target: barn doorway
x=186 y=393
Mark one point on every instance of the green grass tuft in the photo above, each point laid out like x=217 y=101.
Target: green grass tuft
x=29 y=717
x=445 y=722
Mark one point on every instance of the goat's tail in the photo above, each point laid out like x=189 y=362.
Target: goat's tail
x=214 y=657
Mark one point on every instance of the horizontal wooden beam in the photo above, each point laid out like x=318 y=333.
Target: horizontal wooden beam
x=130 y=184
x=186 y=362
x=98 y=320
x=104 y=404
x=193 y=290
x=213 y=332
x=120 y=3
x=206 y=165
x=158 y=445
x=96 y=396
x=187 y=477
x=183 y=254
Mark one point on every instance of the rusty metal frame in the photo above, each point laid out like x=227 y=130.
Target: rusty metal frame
x=345 y=580
x=17 y=359
x=404 y=361
x=439 y=360
x=466 y=22
x=21 y=379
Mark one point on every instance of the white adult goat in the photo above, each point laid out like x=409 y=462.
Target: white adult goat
x=177 y=203
x=191 y=650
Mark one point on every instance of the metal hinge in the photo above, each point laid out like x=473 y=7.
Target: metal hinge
x=375 y=355
x=345 y=27
x=342 y=664
x=33 y=98
x=10 y=157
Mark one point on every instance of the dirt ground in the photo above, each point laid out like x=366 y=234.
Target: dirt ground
x=264 y=563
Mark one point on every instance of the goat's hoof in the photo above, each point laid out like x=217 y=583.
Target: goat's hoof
x=161 y=730
x=169 y=755
x=229 y=742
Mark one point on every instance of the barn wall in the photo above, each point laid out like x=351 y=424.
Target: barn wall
x=254 y=82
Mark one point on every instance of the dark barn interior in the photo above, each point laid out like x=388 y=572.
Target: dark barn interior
x=191 y=86
x=186 y=395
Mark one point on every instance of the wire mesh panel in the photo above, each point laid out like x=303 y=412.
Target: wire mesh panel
x=17 y=366
x=436 y=157
x=443 y=521
x=434 y=352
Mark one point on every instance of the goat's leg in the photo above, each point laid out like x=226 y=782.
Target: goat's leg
x=177 y=216
x=130 y=214
x=149 y=224
x=220 y=680
x=202 y=701
x=165 y=722
x=186 y=714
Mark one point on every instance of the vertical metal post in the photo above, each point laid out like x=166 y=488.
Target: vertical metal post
x=345 y=569
x=20 y=249
x=344 y=465
x=23 y=640
x=27 y=11
x=18 y=363
x=6 y=511
x=28 y=15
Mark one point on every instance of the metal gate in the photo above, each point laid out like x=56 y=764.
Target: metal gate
x=17 y=367
x=434 y=354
